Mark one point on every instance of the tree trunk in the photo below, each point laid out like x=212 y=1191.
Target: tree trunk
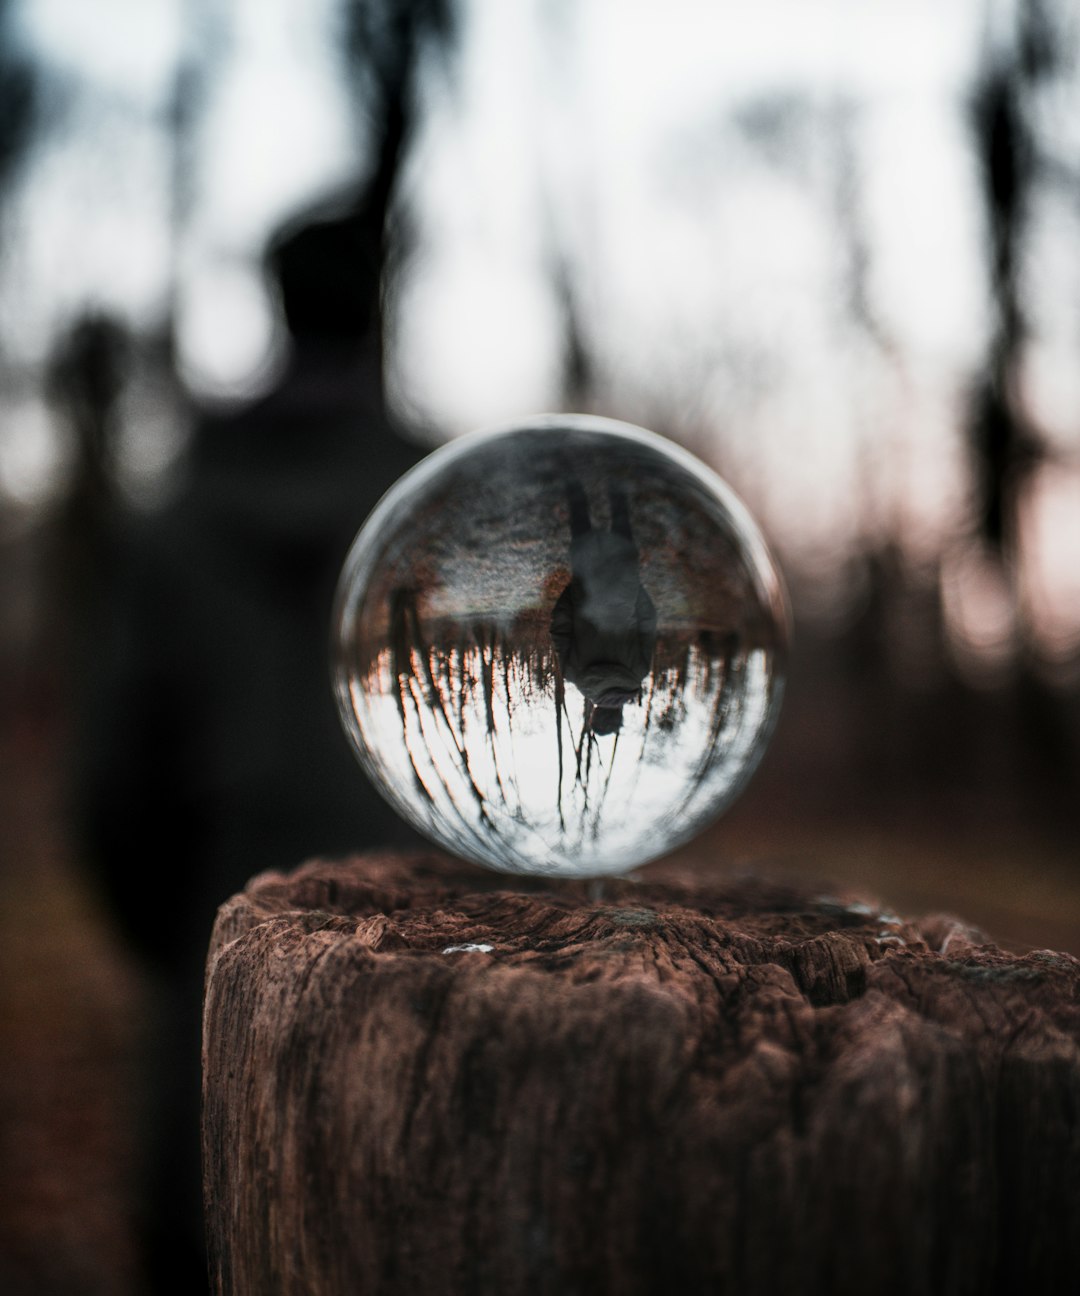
x=422 y=1078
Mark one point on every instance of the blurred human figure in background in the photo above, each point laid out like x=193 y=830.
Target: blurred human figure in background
x=210 y=747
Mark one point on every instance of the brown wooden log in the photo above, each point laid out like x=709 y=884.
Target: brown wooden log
x=427 y=1079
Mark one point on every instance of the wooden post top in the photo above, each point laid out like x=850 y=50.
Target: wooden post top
x=424 y=1077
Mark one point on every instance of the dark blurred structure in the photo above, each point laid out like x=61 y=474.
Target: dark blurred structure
x=84 y=381
x=17 y=97
x=210 y=748
x=210 y=710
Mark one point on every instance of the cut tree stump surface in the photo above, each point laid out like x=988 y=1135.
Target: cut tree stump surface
x=424 y=1078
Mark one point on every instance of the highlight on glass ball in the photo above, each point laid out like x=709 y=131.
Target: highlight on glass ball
x=559 y=648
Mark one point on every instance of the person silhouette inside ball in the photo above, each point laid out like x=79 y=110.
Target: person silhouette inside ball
x=604 y=622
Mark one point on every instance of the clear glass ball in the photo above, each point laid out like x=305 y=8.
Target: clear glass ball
x=559 y=648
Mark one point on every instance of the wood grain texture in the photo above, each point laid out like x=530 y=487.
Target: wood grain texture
x=675 y=1086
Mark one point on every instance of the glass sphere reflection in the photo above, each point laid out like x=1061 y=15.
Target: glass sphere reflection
x=559 y=648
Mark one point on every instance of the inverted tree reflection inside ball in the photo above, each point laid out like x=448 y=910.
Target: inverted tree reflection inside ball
x=559 y=648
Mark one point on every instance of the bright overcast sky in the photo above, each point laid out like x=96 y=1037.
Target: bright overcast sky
x=708 y=172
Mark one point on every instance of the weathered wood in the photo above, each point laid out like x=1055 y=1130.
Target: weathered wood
x=683 y=1085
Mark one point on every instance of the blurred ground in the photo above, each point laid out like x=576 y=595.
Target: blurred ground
x=70 y=1009
x=1023 y=894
